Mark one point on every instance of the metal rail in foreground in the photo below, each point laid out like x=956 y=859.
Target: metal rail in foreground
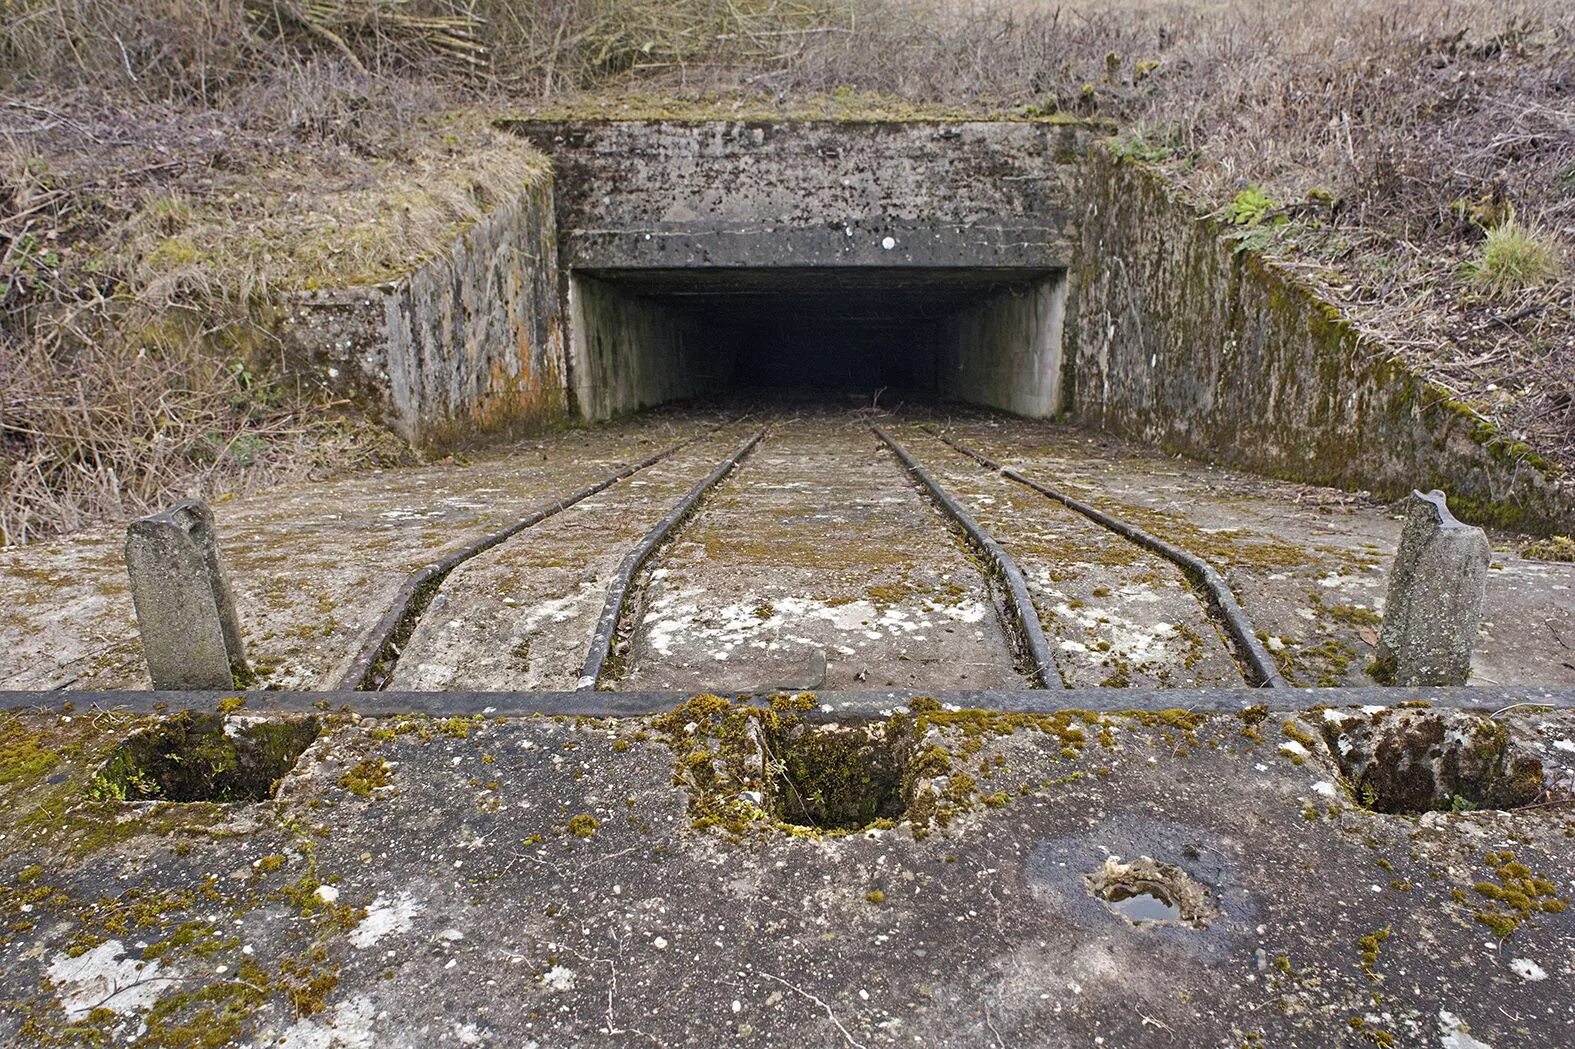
x=1220 y=602
x=1491 y=699
x=374 y=663
x=1025 y=617
x=618 y=595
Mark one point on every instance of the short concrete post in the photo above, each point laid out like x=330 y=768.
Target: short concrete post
x=1435 y=597
x=185 y=613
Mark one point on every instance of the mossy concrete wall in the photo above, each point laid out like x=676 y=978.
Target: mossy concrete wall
x=468 y=344
x=1180 y=340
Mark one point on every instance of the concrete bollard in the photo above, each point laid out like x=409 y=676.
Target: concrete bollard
x=185 y=612
x=1435 y=597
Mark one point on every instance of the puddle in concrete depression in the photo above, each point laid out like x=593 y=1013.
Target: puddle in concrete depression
x=837 y=777
x=1409 y=761
x=1146 y=892
x=1143 y=905
x=204 y=757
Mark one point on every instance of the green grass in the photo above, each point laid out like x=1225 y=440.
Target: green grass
x=1514 y=258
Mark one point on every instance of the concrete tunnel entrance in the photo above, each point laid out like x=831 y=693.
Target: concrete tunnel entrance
x=988 y=335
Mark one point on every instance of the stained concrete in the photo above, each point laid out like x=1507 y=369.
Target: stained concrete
x=468 y=344
x=1182 y=340
x=314 y=565
x=1309 y=564
x=417 y=882
x=812 y=193
x=1118 y=615
x=819 y=542
x=521 y=615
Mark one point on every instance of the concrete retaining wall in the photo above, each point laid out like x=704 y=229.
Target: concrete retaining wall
x=1179 y=340
x=468 y=344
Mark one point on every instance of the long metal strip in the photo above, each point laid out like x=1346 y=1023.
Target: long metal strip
x=1491 y=699
x=1025 y=617
x=1219 y=599
x=612 y=611
x=374 y=664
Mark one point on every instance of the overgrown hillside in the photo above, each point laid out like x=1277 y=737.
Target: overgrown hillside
x=165 y=165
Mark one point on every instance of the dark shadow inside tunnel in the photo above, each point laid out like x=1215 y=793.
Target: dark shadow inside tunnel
x=990 y=336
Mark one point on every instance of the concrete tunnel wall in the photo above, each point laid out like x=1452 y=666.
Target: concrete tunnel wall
x=881 y=203
x=641 y=337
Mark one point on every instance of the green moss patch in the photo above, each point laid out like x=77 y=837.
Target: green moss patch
x=203 y=757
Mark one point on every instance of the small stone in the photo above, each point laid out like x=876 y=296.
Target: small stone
x=327 y=894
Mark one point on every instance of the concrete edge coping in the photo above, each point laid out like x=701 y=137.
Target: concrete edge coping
x=872 y=705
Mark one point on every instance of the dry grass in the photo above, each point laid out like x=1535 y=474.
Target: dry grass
x=167 y=159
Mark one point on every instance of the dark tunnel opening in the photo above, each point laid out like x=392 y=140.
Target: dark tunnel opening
x=986 y=335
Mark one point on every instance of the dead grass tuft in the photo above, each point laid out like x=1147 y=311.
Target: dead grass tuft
x=171 y=159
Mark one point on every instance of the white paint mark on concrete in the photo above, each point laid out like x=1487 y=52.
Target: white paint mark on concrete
x=558 y=978
x=1455 y=1033
x=1527 y=970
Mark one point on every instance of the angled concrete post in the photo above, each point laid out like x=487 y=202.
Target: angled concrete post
x=185 y=613
x=1435 y=597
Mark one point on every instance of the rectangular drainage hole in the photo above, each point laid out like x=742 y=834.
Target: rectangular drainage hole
x=204 y=757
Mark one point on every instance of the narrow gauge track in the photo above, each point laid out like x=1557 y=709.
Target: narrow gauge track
x=612 y=643
x=1023 y=652
x=1257 y=665
x=373 y=666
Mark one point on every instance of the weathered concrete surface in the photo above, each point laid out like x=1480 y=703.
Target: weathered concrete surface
x=1181 y=341
x=521 y=615
x=819 y=542
x=1118 y=615
x=1308 y=564
x=417 y=883
x=185 y=608
x=470 y=343
x=313 y=565
x=627 y=352
x=1006 y=352
x=815 y=193
x=1434 y=603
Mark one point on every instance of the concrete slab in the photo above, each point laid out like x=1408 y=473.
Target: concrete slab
x=521 y=615
x=313 y=564
x=819 y=542
x=508 y=882
x=1309 y=564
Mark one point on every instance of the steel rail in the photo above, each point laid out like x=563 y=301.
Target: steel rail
x=1220 y=601
x=374 y=662
x=1024 y=615
x=618 y=594
x=1497 y=700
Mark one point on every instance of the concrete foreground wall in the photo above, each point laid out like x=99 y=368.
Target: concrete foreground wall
x=1180 y=341
x=468 y=344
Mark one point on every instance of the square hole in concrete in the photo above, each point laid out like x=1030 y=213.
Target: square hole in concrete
x=1403 y=761
x=838 y=777
x=204 y=757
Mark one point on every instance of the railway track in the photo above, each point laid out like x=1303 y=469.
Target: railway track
x=808 y=552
